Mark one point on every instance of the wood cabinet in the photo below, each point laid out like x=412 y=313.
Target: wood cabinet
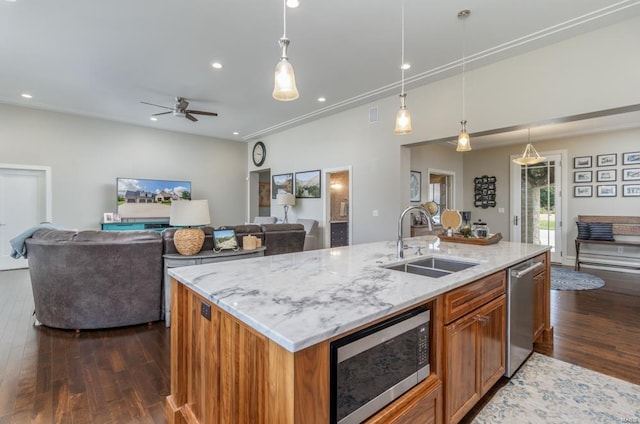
x=474 y=343
x=542 y=330
x=423 y=230
x=422 y=404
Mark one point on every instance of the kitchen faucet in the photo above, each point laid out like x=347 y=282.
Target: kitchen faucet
x=420 y=209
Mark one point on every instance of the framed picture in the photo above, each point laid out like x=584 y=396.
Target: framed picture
x=607 y=160
x=281 y=184
x=606 y=175
x=224 y=239
x=631 y=174
x=264 y=194
x=582 y=162
x=308 y=184
x=107 y=217
x=607 y=190
x=415 y=188
x=631 y=158
x=582 y=176
x=631 y=190
x=582 y=191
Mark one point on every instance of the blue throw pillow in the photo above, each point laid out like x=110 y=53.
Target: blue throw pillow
x=583 y=230
x=601 y=231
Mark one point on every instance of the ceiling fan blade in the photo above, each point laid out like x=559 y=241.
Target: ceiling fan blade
x=164 y=107
x=200 y=112
x=190 y=117
x=161 y=113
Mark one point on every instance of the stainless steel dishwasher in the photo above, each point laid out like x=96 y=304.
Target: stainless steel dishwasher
x=519 y=314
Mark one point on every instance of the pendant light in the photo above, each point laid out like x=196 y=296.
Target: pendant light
x=284 y=87
x=530 y=155
x=464 y=141
x=403 y=117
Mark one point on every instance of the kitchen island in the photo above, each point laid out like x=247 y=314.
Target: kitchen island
x=251 y=339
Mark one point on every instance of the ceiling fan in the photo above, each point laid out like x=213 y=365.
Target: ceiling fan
x=180 y=110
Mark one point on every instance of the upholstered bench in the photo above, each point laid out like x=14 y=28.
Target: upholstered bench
x=602 y=229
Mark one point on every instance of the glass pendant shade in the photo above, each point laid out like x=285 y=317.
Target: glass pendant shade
x=403 y=118
x=284 y=87
x=464 y=141
x=530 y=156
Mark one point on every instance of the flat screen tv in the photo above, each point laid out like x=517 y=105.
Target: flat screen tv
x=149 y=199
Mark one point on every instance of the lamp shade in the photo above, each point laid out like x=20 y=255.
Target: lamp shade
x=284 y=88
x=189 y=213
x=286 y=199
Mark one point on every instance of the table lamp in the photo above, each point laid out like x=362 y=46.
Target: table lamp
x=286 y=200
x=189 y=214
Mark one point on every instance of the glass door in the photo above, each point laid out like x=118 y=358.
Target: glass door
x=536 y=206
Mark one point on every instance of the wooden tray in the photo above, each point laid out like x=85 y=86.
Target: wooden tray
x=493 y=239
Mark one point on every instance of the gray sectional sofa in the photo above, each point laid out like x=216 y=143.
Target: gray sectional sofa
x=103 y=279
x=95 y=279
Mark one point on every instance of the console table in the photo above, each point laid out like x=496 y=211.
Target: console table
x=134 y=226
x=175 y=260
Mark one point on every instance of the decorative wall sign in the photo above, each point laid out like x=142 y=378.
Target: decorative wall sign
x=484 y=192
x=414 y=186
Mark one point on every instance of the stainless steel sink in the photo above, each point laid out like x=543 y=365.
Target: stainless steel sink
x=432 y=267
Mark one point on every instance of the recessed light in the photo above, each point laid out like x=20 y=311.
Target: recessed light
x=236 y=133
x=322 y=99
x=293 y=3
x=27 y=96
x=405 y=66
x=153 y=118
x=216 y=65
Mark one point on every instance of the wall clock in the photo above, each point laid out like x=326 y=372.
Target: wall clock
x=259 y=153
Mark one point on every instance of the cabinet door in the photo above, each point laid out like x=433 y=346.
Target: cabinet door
x=538 y=304
x=461 y=364
x=491 y=342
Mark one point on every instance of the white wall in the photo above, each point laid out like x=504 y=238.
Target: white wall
x=86 y=155
x=590 y=72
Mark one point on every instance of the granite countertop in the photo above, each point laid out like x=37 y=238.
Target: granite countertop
x=300 y=299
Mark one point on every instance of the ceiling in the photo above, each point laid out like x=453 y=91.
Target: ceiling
x=102 y=59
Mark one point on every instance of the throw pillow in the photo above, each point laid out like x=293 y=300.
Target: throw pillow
x=583 y=230
x=601 y=231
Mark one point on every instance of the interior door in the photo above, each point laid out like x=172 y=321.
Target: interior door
x=23 y=204
x=536 y=207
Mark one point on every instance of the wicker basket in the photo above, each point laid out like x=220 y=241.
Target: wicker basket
x=188 y=241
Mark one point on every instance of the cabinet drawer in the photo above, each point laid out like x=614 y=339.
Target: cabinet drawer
x=542 y=258
x=473 y=295
x=422 y=404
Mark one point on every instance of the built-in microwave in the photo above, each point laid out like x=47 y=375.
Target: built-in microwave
x=373 y=367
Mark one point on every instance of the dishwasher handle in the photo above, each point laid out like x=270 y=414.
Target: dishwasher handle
x=523 y=272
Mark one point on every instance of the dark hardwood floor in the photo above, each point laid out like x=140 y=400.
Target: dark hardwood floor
x=122 y=375
x=57 y=376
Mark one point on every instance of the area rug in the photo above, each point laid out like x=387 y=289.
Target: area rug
x=568 y=279
x=549 y=391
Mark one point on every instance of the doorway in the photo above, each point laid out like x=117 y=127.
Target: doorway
x=259 y=194
x=338 y=211
x=25 y=201
x=536 y=206
x=441 y=186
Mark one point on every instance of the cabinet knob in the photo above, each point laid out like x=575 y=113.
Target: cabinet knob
x=483 y=319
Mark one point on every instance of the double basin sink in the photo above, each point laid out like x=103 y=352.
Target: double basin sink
x=432 y=266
